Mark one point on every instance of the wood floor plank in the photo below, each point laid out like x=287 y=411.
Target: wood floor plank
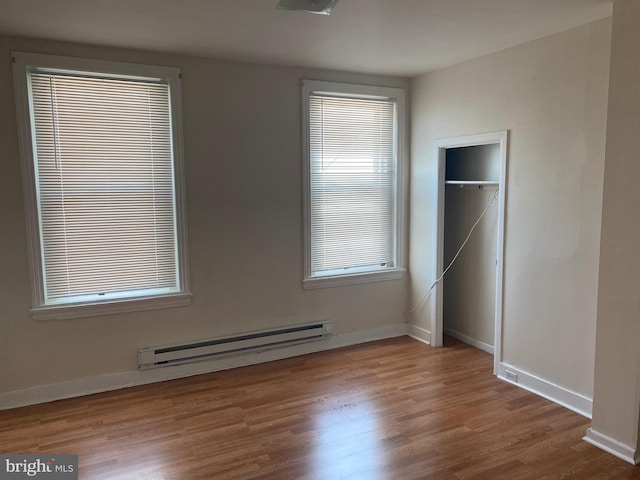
x=394 y=409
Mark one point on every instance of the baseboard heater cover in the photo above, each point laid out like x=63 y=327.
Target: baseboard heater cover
x=152 y=357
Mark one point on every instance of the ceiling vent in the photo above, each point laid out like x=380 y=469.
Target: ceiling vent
x=320 y=7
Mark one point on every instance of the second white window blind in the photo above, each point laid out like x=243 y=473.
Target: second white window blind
x=352 y=178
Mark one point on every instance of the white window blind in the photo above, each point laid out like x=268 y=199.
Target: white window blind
x=352 y=183
x=104 y=172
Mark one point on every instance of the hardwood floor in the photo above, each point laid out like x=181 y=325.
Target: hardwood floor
x=395 y=409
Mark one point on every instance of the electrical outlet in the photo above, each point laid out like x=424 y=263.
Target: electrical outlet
x=513 y=376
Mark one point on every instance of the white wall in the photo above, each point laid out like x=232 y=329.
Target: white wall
x=552 y=96
x=244 y=175
x=617 y=375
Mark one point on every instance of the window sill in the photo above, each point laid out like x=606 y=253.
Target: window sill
x=80 y=310
x=353 y=279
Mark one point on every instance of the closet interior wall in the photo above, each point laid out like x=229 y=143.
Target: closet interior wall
x=469 y=292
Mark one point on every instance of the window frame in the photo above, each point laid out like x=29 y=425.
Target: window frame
x=23 y=63
x=357 y=275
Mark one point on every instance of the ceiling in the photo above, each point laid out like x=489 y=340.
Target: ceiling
x=397 y=37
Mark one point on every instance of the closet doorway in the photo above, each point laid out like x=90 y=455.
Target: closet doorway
x=470 y=212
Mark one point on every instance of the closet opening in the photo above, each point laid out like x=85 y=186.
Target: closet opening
x=470 y=243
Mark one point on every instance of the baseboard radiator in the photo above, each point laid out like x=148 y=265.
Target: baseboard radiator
x=235 y=345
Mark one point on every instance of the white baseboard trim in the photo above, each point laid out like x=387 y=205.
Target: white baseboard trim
x=419 y=334
x=614 y=447
x=115 y=381
x=560 y=395
x=471 y=341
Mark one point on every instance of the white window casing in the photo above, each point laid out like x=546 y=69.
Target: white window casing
x=103 y=174
x=353 y=139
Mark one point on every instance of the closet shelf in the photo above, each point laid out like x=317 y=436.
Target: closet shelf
x=470 y=182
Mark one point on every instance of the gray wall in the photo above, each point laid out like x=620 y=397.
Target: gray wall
x=242 y=131
x=552 y=96
x=470 y=285
x=616 y=407
x=480 y=162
